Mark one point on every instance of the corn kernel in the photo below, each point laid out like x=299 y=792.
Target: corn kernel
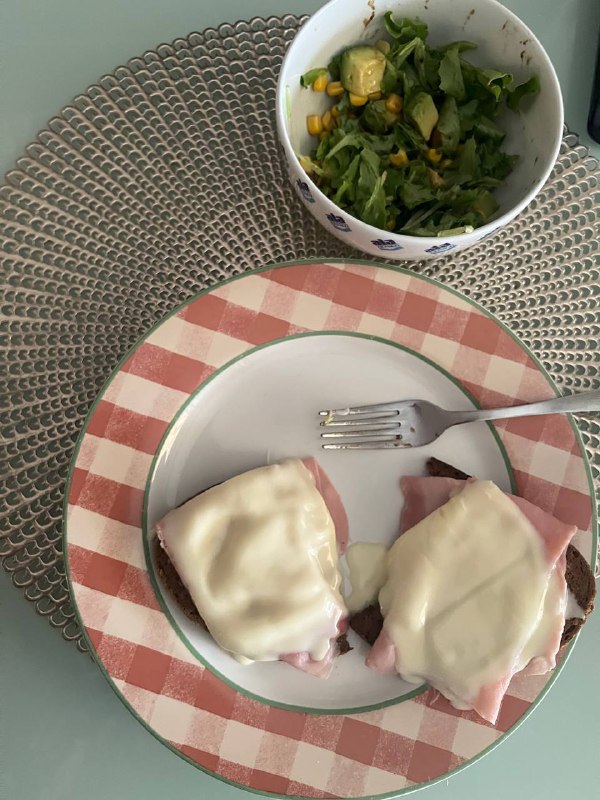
x=445 y=163
x=314 y=124
x=335 y=89
x=433 y=155
x=383 y=46
x=390 y=224
x=320 y=83
x=399 y=159
x=394 y=103
x=328 y=121
x=375 y=96
x=357 y=99
x=335 y=112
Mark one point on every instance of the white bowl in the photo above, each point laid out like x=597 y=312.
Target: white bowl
x=504 y=43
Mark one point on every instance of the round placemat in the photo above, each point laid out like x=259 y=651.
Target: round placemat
x=166 y=177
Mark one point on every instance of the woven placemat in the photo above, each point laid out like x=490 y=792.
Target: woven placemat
x=166 y=177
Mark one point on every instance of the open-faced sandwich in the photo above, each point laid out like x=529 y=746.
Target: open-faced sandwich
x=480 y=585
x=255 y=560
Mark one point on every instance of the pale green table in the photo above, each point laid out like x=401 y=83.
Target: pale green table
x=64 y=733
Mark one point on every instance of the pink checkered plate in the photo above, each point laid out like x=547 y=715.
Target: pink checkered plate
x=232 y=380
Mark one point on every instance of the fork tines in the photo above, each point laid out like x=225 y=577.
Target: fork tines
x=392 y=408
x=378 y=423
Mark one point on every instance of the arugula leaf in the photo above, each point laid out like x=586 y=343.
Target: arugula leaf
x=404 y=28
x=451 y=78
x=414 y=223
x=307 y=80
x=530 y=87
x=416 y=188
x=334 y=67
x=368 y=172
x=374 y=210
x=462 y=46
x=410 y=81
x=376 y=118
x=349 y=140
x=431 y=68
x=347 y=185
x=409 y=138
x=391 y=78
x=448 y=125
x=494 y=162
x=467 y=162
x=419 y=62
x=478 y=201
x=399 y=56
x=486 y=128
x=468 y=114
x=498 y=83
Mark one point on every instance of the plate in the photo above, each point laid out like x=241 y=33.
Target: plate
x=232 y=380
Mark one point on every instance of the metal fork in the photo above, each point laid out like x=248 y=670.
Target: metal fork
x=412 y=423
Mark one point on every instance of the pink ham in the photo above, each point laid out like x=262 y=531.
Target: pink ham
x=322 y=668
x=303 y=661
x=422 y=496
x=332 y=500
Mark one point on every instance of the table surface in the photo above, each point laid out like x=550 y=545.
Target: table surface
x=69 y=734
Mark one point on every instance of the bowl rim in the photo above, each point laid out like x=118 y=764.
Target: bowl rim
x=461 y=238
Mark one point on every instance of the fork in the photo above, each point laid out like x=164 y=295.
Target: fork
x=413 y=423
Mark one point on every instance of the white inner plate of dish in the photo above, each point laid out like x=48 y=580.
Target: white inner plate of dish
x=263 y=408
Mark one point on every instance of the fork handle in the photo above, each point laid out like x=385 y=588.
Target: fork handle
x=574 y=404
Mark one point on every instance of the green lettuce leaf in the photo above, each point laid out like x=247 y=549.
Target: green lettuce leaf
x=530 y=87
x=307 y=80
x=486 y=128
x=376 y=118
x=451 y=78
x=404 y=29
x=448 y=125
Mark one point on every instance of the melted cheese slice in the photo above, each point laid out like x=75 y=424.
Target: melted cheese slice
x=466 y=593
x=258 y=555
x=367 y=567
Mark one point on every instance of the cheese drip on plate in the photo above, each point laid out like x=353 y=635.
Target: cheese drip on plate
x=258 y=555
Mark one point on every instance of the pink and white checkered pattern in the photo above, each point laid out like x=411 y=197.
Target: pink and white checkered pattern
x=222 y=730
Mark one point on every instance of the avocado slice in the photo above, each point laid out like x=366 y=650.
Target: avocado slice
x=421 y=111
x=361 y=69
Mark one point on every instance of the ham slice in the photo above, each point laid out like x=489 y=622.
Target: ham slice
x=321 y=668
x=303 y=661
x=422 y=496
x=332 y=500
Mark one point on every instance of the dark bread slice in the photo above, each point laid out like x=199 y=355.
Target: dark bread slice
x=174 y=585
x=368 y=623
x=171 y=581
x=581 y=583
x=439 y=469
x=580 y=579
